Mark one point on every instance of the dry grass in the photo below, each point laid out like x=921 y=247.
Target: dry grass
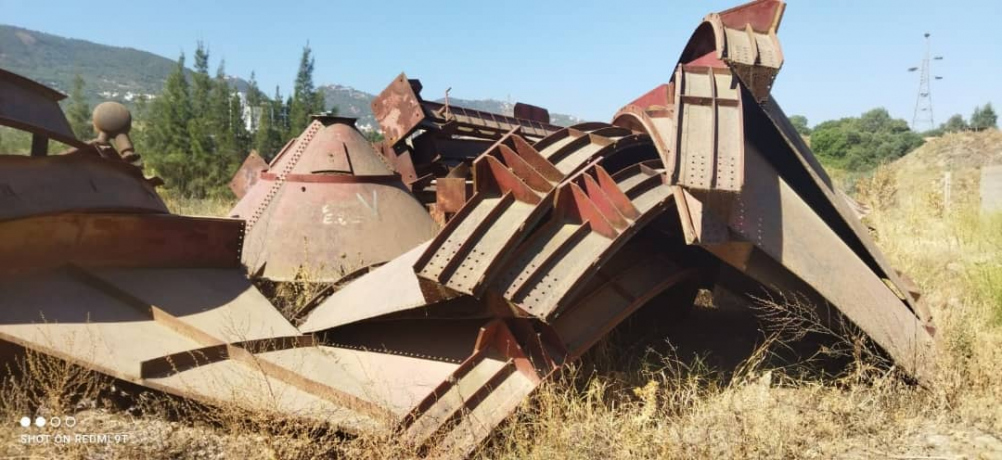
x=619 y=403
x=179 y=204
x=765 y=412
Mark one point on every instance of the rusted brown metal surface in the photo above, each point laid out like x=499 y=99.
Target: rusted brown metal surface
x=782 y=190
x=248 y=174
x=327 y=206
x=552 y=237
x=431 y=144
x=557 y=241
x=98 y=273
x=400 y=111
x=34 y=108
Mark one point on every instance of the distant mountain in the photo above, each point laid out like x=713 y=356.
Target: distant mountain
x=110 y=72
x=122 y=74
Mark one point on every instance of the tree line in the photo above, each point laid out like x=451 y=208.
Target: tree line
x=195 y=133
x=864 y=142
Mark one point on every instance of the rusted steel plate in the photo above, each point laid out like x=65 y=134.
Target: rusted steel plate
x=398 y=109
x=118 y=240
x=30 y=106
x=807 y=176
x=248 y=174
x=451 y=194
x=96 y=318
x=78 y=181
x=771 y=215
x=388 y=289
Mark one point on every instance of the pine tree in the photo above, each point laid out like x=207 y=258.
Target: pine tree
x=306 y=99
x=254 y=100
x=201 y=83
x=78 y=112
x=268 y=137
x=218 y=113
x=166 y=139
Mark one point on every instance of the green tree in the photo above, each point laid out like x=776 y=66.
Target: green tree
x=268 y=137
x=201 y=82
x=193 y=136
x=954 y=124
x=799 y=123
x=219 y=114
x=984 y=118
x=306 y=99
x=864 y=142
x=78 y=111
x=254 y=101
x=167 y=144
x=373 y=136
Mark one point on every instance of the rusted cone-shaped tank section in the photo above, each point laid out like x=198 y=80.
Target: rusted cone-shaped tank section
x=326 y=206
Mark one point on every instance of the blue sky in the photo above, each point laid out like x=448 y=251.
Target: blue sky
x=582 y=58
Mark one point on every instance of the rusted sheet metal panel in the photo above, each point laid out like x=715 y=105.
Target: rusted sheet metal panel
x=391 y=288
x=769 y=214
x=398 y=109
x=248 y=174
x=327 y=207
x=118 y=240
x=813 y=184
x=33 y=107
x=96 y=318
x=452 y=193
x=77 y=181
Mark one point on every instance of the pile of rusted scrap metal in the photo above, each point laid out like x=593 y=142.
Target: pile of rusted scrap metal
x=477 y=253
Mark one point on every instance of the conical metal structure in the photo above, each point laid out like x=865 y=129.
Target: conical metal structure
x=326 y=206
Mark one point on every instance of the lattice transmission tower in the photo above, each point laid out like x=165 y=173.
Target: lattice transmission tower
x=924 y=119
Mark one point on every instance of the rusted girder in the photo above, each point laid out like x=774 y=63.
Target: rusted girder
x=749 y=186
x=400 y=111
